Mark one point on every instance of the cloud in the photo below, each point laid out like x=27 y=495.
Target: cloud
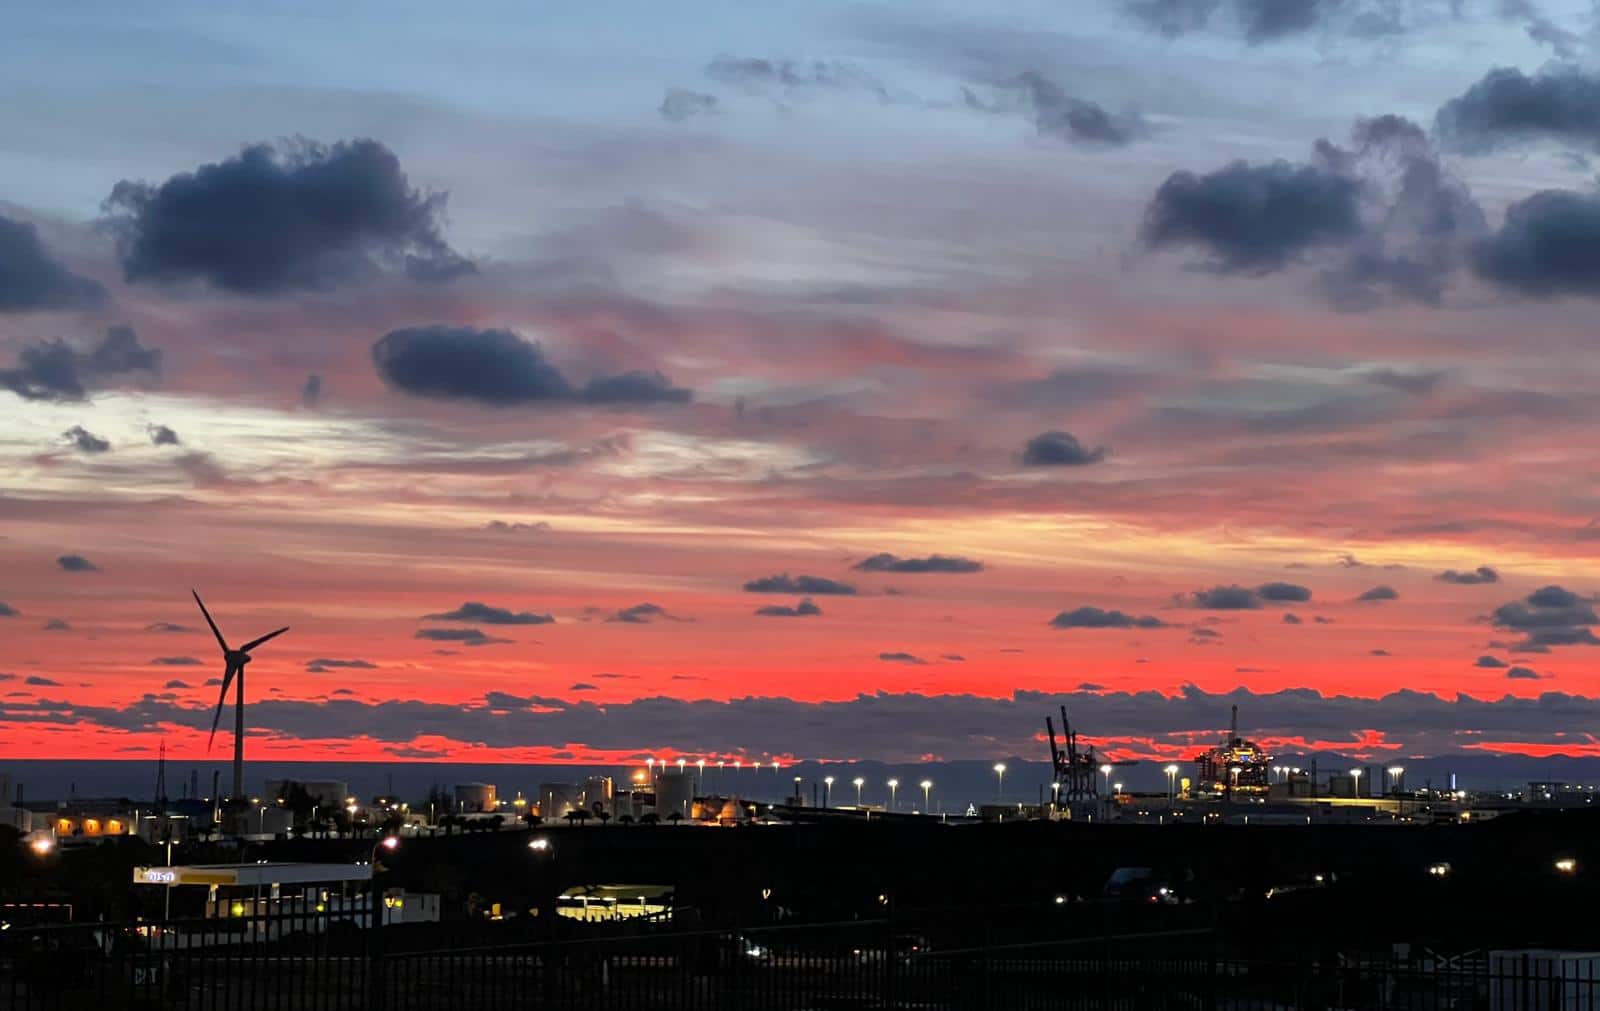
x=756 y=75
x=805 y=609
x=85 y=441
x=1059 y=449
x=910 y=658
x=1523 y=674
x=311 y=391
x=1490 y=662
x=55 y=370
x=484 y=614
x=1283 y=592
x=175 y=661
x=1549 y=616
x=500 y=369
x=583 y=686
x=1507 y=107
x=7 y=611
x=41 y=682
x=176 y=684
x=322 y=665
x=76 y=563
x=161 y=435
x=1546 y=246
x=785 y=583
x=502 y=527
x=1474 y=577
x=885 y=562
x=1379 y=593
x=1290 y=618
x=167 y=627
x=1094 y=617
x=1379 y=652
x=640 y=614
x=31 y=280
x=57 y=625
x=679 y=104
x=1056 y=114
x=465 y=636
x=299 y=216
x=1262 y=21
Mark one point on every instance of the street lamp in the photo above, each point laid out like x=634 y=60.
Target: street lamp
x=42 y=845
x=681 y=764
x=1000 y=781
x=1395 y=772
x=700 y=780
x=894 y=784
x=1118 y=788
x=827 y=791
x=1105 y=770
x=927 y=785
x=1355 y=777
x=388 y=843
x=1172 y=782
x=859 y=784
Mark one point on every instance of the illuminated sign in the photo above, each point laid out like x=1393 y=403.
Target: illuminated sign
x=184 y=876
x=156 y=876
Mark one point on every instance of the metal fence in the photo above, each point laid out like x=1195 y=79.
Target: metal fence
x=315 y=962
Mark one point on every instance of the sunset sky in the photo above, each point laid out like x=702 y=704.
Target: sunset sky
x=833 y=381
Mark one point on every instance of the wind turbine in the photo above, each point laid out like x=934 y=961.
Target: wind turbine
x=234 y=661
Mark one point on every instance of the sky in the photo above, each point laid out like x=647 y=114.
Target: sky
x=836 y=382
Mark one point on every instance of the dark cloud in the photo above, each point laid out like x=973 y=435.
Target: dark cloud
x=757 y=75
x=1204 y=633
x=1506 y=107
x=953 y=657
x=1379 y=593
x=161 y=435
x=41 y=682
x=56 y=370
x=1566 y=45
x=175 y=661
x=1548 y=245
x=1284 y=593
x=1290 y=618
x=1172 y=17
x=1548 y=617
x=1491 y=662
x=885 y=562
x=57 y=625
x=805 y=609
x=76 y=563
x=1482 y=574
x=322 y=665
x=502 y=527
x=1059 y=449
x=311 y=392
x=679 y=104
x=640 y=614
x=1225 y=598
x=485 y=614
x=1379 y=652
x=583 y=686
x=1523 y=674
x=293 y=217
x=31 y=280
x=465 y=636
x=785 y=583
x=500 y=369
x=1254 y=219
x=1264 y=21
x=167 y=626
x=170 y=685
x=1267 y=20
x=1056 y=114
x=1418 y=382
x=901 y=658
x=7 y=611
x=85 y=441
x=1094 y=617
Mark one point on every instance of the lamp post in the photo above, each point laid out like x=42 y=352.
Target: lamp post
x=1355 y=777
x=927 y=785
x=827 y=791
x=859 y=782
x=894 y=784
x=261 y=824
x=1395 y=772
x=166 y=903
x=1000 y=781
x=1172 y=783
x=1105 y=770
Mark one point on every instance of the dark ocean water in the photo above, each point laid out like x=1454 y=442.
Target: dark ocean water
x=955 y=784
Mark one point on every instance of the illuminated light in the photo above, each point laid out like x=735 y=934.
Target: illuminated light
x=389 y=842
x=322 y=907
x=42 y=845
x=1439 y=870
x=774 y=765
x=1567 y=865
x=540 y=844
x=237 y=909
x=1061 y=900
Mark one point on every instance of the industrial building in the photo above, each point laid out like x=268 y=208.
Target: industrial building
x=1236 y=766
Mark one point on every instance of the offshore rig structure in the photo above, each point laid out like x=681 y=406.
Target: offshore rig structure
x=1234 y=766
x=1073 y=787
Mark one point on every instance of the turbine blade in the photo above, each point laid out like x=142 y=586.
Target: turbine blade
x=253 y=643
x=214 y=630
x=222 y=698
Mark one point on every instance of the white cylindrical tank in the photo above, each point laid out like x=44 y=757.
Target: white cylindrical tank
x=597 y=791
x=674 y=793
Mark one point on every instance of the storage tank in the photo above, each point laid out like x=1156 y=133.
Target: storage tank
x=476 y=797
x=597 y=793
x=556 y=799
x=674 y=793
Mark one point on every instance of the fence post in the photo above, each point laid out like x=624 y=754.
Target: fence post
x=375 y=967
x=890 y=956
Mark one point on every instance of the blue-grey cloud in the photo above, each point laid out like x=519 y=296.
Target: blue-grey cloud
x=500 y=369
x=1508 y=107
x=1284 y=592
x=292 y=217
x=175 y=661
x=679 y=104
x=31 y=280
x=167 y=627
x=1056 y=114
x=85 y=441
x=910 y=658
x=175 y=684
x=56 y=370
x=807 y=608
x=322 y=665
x=640 y=614
x=1379 y=593
x=1233 y=597
x=41 y=682
x=1523 y=674
x=1059 y=449
x=886 y=562
x=485 y=614
x=1471 y=577
x=57 y=625
x=7 y=611
x=785 y=583
x=161 y=435
x=1548 y=246
x=1548 y=617
x=1095 y=617
x=311 y=391
x=465 y=636
x=1490 y=662
x=76 y=563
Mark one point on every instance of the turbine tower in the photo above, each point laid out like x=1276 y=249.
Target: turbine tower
x=234 y=661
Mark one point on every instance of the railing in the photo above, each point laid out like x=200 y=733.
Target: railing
x=321 y=963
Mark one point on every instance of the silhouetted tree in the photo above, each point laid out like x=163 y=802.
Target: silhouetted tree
x=649 y=818
x=604 y=816
x=532 y=819
x=624 y=819
x=675 y=817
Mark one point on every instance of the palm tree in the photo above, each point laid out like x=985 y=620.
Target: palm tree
x=624 y=819
x=649 y=818
x=532 y=819
x=675 y=817
x=604 y=817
